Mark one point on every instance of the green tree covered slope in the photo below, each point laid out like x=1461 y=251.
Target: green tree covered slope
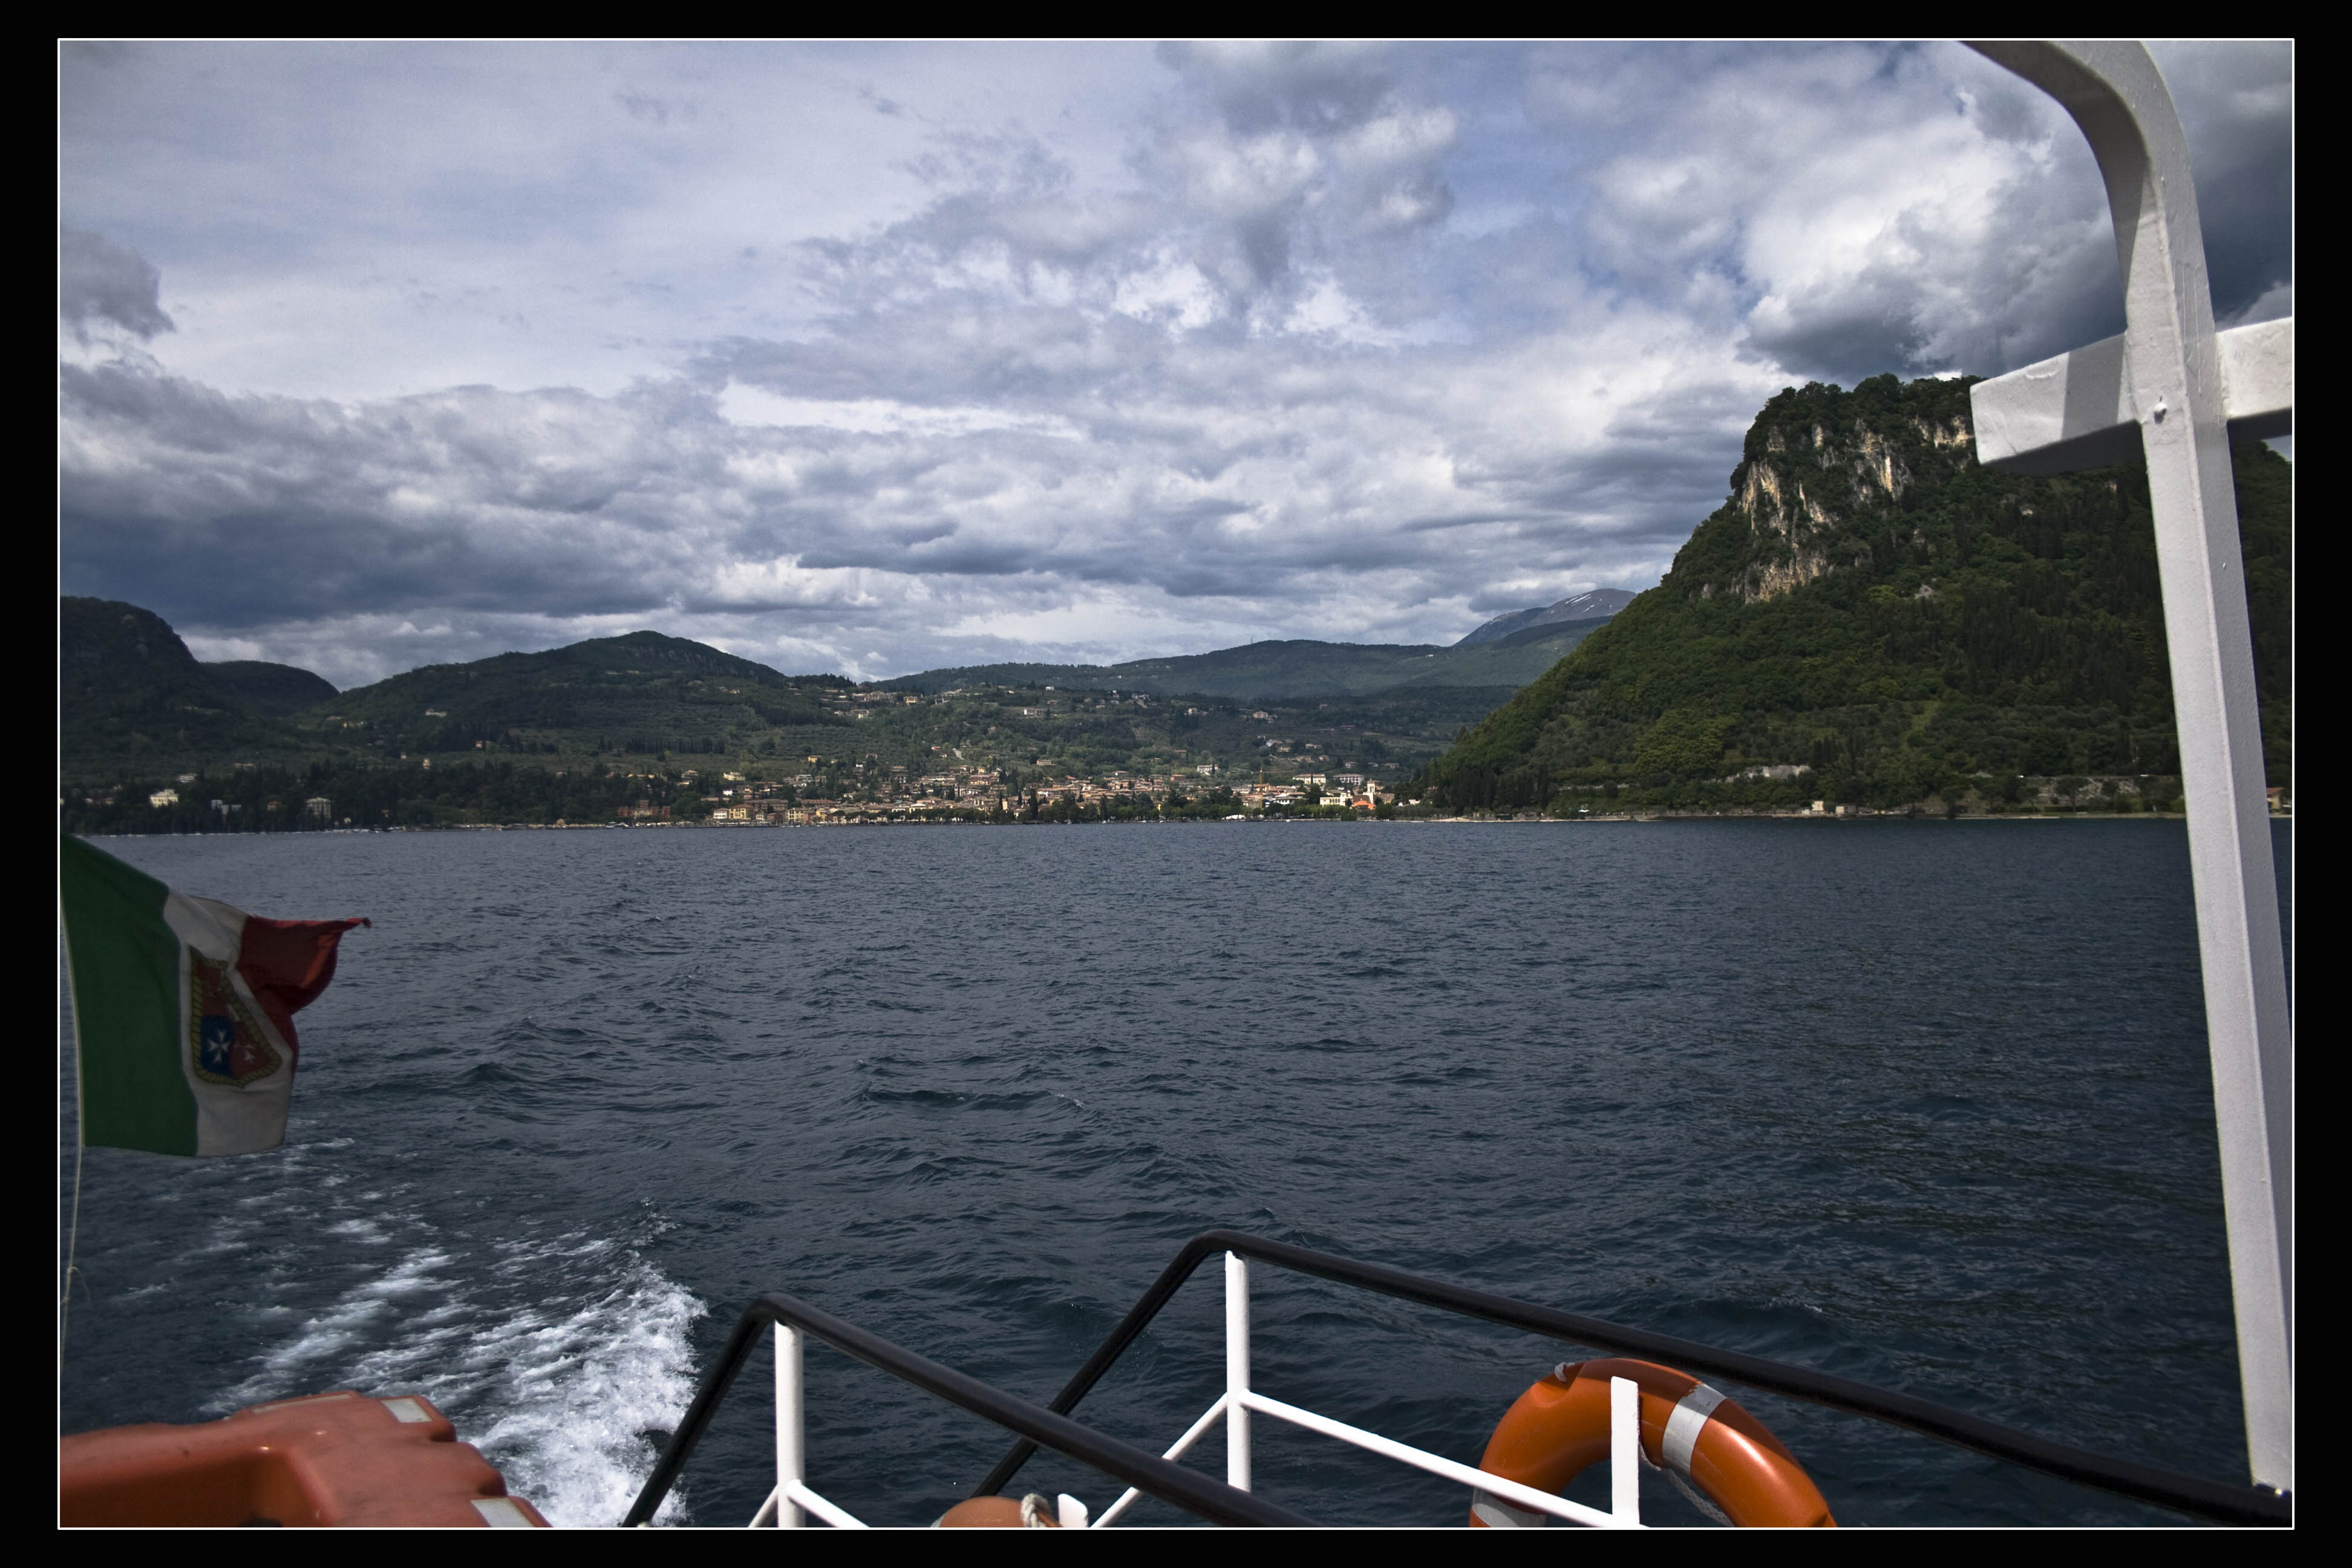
x=130 y=692
x=272 y=690
x=1872 y=605
x=643 y=692
x=1292 y=670
x=140 y=714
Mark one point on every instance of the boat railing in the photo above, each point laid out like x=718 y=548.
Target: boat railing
x=1232 y=1501
x=1239 y=1400
x=795 y=1320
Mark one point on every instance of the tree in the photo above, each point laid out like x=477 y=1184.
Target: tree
x=1684 y=741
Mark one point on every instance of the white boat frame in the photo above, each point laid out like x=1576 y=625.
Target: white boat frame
x=2177 y=392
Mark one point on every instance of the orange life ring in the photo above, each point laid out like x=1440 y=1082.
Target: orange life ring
x=1030 y=1512
x=1560 y=1426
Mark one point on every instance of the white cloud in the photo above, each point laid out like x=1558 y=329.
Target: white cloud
x=882 y=358
x=756 y=407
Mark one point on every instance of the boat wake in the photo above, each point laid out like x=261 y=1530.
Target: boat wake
x=570 y=1395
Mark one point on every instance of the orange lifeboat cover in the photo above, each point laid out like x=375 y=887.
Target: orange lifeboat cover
x=339 y=1458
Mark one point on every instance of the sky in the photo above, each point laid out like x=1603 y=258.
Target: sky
x=877 y=358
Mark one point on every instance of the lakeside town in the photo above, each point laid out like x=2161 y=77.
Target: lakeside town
x=867 y=791
x=872 y=795
x=996 y=754
x=982 y=793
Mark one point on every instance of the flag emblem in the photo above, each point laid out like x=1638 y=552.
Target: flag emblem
x=227 y=1042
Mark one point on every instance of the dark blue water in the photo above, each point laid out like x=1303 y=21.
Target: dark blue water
x=1923 y=1104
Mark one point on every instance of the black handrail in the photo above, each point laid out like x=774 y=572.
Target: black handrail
x=1189 y=1489
x=2187 y=1494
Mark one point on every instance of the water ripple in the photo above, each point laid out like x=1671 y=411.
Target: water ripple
x=1924 y=1104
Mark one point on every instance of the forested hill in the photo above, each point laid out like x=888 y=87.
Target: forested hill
x=273 y=691
x=1871 y=603
x=140 y=717
x=133 y=702
x=1295 y=670
x=642 y=692
x=129 y=689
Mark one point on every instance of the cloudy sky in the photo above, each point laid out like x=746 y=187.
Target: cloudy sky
x=877 y=358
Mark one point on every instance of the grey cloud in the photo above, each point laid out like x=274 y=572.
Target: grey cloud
x=2236 y=102
x=1992 y=246
x=238 y=511
x=1253 y=382
x=100 y=281
x=654 y=110
x=1832 y=339
x=1318 y=88
x=1312 y=145
x=262 y=508
x=1278 y=161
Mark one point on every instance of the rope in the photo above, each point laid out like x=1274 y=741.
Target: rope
x=73 y=1236
x=81 y=1105
x=73 y=1226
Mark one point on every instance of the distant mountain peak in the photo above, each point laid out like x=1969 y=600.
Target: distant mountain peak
x=1597 y=605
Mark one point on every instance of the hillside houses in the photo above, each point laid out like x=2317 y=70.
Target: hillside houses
x=978 y=793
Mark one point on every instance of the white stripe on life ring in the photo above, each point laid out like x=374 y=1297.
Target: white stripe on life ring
x=1691 y=1415
x=1497 y=1514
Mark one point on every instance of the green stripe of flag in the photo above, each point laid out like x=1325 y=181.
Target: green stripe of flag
x=125 y=966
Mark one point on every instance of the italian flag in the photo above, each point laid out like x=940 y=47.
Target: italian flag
x=184 y=1009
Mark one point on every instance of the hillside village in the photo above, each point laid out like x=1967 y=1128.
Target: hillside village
x=984 y=795
x=249 y=798
x=835 y=790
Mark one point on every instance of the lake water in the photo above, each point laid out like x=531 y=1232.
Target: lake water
x=1924 y=1104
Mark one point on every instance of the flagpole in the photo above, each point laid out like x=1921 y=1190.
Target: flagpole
x=73 y=1228
x=81 y=1143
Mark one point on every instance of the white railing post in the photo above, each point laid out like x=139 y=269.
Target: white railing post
x=791 y=1457
x=1237 y=1371
x=1625 y=1451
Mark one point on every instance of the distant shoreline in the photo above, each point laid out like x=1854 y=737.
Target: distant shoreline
x=1615 y=818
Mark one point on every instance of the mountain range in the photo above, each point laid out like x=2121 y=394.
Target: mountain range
x=134 y=696
x=1290 y=670
x=136 y=705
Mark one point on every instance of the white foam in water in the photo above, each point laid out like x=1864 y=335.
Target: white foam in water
x=325 y=1341
x=581 y=1391
x=557 y=1392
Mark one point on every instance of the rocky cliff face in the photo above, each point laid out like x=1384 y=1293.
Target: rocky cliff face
x=1870 y=603
x=1813 y=477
